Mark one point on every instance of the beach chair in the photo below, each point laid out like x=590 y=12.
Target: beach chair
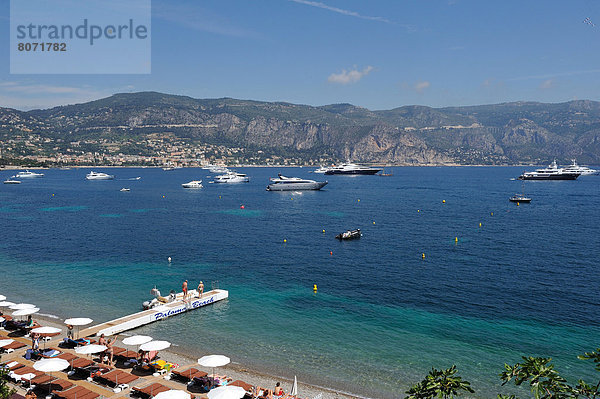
x=56 y=385
x=42 y=379
x=76 y=392
x=116 y=377
x=240 y=383
x=150 y=390
x=187 y=375
x=11 y=366
x=73 y=343
x=13 y=346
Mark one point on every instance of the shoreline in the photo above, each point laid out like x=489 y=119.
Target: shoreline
x=182 y=356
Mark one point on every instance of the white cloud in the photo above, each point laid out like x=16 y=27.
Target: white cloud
x=421 y=86
x=547 y=84
x=27 y=95
x=340 y=10
x=351 y=76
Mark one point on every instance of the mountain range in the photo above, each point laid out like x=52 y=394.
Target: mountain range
x=508 y=133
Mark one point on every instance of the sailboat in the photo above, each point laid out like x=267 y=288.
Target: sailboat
x=520 y=197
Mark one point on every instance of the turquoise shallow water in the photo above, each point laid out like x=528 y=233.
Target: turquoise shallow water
x=524 y=283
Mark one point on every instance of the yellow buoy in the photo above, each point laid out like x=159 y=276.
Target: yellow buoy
x=323 y=230
x=284 y=240
x=479 y=224
x=423 y=255
x=163 y=196
x=292 y=199
x=418 y=210
x=219 y=197
x=315 y=288
x=373 y=222
x=517 y=204
x=443 y=201
x=492 y=213
x=455 y=239
x=359 y=200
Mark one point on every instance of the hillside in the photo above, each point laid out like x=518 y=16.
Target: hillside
x=510 y=133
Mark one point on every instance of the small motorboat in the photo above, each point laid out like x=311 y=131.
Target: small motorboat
x=349 y=235
x=125 y=189
x=520 y=198
x=192 y=184
x=28 y=174
x=11 y=180
x=98 y=176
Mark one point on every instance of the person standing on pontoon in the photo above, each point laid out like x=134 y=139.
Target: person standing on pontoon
x=184 y=288
x=200 y=289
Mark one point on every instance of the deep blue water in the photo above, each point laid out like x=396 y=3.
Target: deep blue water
x=524 y=283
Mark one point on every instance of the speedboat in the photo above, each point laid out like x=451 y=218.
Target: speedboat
x=552 y=172
x=582 y=170
x=351 y=169
x=192 y=184
x=27 y=174
x=520 y=198
x=98 y=176
x=125 y=189
x=349 y=235
x=321 y=169
x=282 y=183
x=11 y=180
x=232 y=177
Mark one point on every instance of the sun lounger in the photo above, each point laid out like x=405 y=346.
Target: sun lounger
x=13 y=366
x=150 y=390
x=80 y=362
x=187 y=375
x=13 y=346
x=42 y=379
x=72 y=343
x=76 y=392
x=240 y=383
x=116 y=377
x=56 y=385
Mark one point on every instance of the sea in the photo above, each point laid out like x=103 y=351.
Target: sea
x=447 y=272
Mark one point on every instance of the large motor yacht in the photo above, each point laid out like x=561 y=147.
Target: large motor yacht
x=192 y=184
x=552 y=172
x=582 y=170
x=232 y=177
x=98 y=176
x=282 y=183
x=322 y=169
x=351 y=169
x=27 y=174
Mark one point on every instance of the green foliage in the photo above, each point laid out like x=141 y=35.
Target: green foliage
x=439 y=384
x=544 y=380
x=5 y=390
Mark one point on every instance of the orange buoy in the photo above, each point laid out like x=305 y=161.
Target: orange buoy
x=242 y=207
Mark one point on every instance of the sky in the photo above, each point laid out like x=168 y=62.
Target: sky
x=378 y=54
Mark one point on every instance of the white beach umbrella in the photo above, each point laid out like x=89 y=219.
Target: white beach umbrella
x=90 y=349
x=4 y=342
x=25 y=312
x=2 y=297
x=213 y=361
x=155 y=346
x=227 y=392
x=5 y=304
x=294 y=391
x=172 y=394
x=78 y=321
x=46 y=330
x=19 y=306
x=50 y=365
x=137 y=340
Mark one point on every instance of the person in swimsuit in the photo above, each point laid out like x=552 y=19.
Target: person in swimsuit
x=184 y=289
x=200 y=289
x=35 y=341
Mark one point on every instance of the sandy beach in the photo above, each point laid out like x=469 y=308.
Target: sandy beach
x=181 y=356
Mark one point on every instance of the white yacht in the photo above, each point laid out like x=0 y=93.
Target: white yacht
x=232 y=177
x=192 y=184
x=582 y=170
x=552 y=172
x=322 y=169
x=27 y=174
x=351 y=169
x=98 y=176
x=282 y=183
x=11 y=180
x=218 y=169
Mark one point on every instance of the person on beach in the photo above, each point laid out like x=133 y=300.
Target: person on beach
x=200 y=289
x=278 y=391
x=69 y=331
x=184 y=289
x=35 y=341
x=30 y=394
